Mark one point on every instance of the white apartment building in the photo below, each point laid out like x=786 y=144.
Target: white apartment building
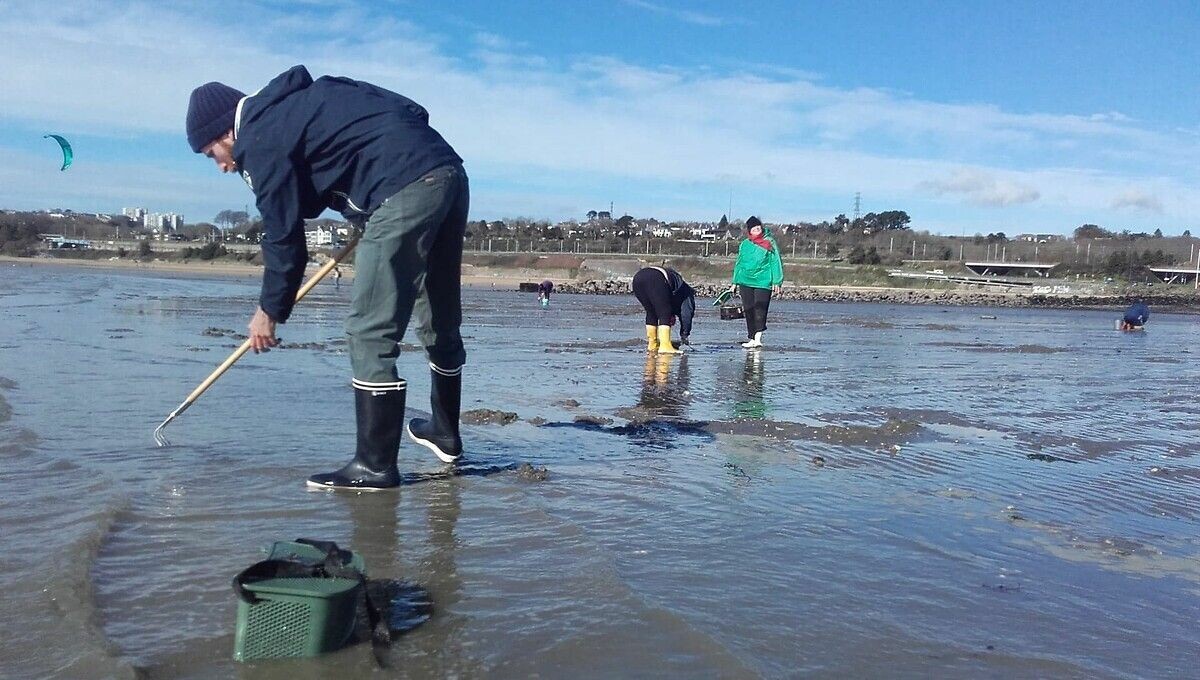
x=162 y=221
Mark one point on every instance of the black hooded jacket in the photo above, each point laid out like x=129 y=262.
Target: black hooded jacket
x=304 y=146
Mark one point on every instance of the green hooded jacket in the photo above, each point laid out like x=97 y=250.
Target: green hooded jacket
x=756 y=267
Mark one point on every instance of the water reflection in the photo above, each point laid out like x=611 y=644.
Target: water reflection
x=374 y=529
x=656 y=419
x=375 y=536
x=440 y=649
x=664 y=394
x=419 y=599
x=748 y=402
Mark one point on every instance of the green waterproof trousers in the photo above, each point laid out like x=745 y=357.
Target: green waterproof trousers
x=409 y=260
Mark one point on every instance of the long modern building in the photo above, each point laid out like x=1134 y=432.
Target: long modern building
x=1174 y=274
x=1010 y=268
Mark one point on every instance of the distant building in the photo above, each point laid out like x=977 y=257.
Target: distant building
x=1037 y=238
x=162 y=221
x=705 y=232
x=136 y=214
x=63 y=243
x=321 y=235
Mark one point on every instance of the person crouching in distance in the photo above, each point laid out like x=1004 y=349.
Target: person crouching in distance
x=665 y=296
x=1135 y=317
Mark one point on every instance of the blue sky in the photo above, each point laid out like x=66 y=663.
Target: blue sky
x=972 y=116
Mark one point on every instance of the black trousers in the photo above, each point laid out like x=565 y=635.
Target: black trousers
x=651 y=289
x=755 y=302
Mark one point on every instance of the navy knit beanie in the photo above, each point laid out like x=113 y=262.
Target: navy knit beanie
x=753 y=222
x=210 y=113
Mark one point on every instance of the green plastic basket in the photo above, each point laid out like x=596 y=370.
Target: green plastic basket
x=297 y=617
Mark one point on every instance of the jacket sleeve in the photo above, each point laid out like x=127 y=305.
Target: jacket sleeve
x=687 y=309
x=278 y=196
x=776 y=266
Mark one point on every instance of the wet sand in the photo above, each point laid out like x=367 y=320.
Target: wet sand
x=883 y=491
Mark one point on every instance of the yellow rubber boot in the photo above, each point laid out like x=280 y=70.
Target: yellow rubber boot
x=664 y=341
x=651 y=339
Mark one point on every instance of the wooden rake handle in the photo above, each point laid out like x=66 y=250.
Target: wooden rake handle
x=245 y=347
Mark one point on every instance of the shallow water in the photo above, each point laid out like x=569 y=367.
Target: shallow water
x=882 y=491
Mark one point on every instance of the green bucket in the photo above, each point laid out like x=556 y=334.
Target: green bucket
x=297 y=617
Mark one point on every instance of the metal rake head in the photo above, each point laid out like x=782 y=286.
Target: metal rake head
x=159 y=437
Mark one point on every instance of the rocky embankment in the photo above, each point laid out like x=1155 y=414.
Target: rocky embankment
x=1159 y=301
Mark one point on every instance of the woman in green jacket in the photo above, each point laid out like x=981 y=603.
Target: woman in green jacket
x=758 y=273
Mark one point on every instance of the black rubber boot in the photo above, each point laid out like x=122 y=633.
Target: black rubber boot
x=380 y=416
x=440 y=433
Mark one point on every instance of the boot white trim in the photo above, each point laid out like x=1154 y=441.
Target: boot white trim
x=379 y=387
x=442 y=455
x=449 y=372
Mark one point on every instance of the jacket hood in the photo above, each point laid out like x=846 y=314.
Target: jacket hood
x=281 y=86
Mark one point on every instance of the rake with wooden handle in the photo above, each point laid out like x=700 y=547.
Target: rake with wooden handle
x=159 y=437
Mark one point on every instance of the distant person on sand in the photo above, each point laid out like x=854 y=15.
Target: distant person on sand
x=337 y=277
x=1135 y=317
x=303 y=146
x=545 y=288
x=665 y=296
x=757 y=273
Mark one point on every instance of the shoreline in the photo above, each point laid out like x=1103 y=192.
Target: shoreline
x=510 y=278
x=230 y=269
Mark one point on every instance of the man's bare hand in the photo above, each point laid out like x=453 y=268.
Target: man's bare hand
x=262 y=332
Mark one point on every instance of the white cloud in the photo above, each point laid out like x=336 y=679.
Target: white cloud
x=1135 y=199
x=982 y=188
x=686 y=16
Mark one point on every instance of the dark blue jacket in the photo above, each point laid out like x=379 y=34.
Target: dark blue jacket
x=683 y=301
x=304 y=146
x=1137 y=314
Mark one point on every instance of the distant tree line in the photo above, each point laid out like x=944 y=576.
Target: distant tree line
x=1093 y=231
x=19 y=237
x=883 y=238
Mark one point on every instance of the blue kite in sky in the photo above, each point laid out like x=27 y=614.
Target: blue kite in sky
x=68 y=154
